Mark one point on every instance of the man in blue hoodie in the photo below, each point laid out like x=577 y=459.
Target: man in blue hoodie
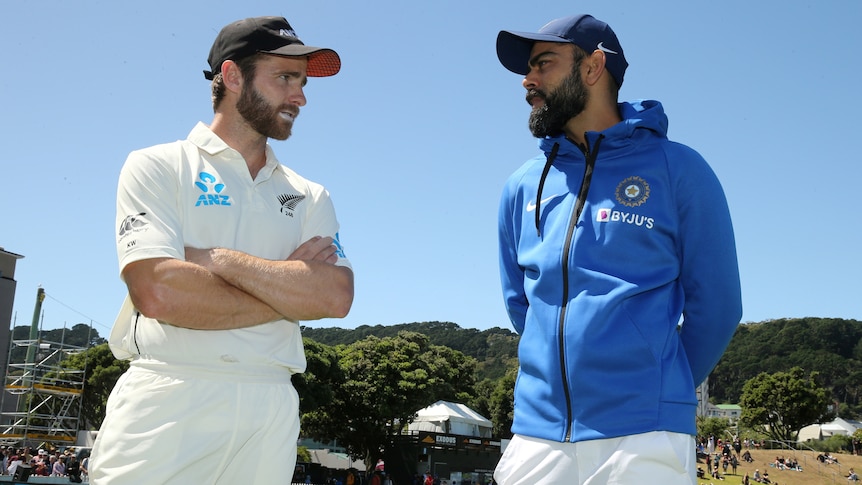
x=619 y=272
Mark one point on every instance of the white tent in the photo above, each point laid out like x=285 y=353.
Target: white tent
x=820 y=431
x=839 y=427
x=451 y=418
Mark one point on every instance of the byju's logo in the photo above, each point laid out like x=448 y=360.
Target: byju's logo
x=212 y=191
x=609 y=216
x=603 y=215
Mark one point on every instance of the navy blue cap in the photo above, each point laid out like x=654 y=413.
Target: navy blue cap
x=586 y=32
x=268 y=35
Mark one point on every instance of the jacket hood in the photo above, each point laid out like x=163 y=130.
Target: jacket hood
x=640 y=118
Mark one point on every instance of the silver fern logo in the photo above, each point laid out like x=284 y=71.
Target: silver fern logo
x=289 y=203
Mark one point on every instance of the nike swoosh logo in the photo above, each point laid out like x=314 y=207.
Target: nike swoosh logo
x=531 y=206
x=605 y=49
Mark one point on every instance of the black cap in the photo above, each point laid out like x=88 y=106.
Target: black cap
x=268 y=35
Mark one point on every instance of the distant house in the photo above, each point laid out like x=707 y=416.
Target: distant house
x=839 y=426
x=731 y=412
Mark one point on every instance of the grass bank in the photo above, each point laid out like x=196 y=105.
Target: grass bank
x=813 y=472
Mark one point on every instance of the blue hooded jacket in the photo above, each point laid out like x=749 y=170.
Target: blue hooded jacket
x=619 y=272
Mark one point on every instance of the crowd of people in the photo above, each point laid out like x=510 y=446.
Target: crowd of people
x=826 y=458
x=783 y=463
x=719 y=455
x=44 y=463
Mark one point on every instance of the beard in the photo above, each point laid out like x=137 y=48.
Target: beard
x=561 y=105
x=262 y=116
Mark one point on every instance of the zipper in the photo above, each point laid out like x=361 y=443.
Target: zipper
x=590 y=156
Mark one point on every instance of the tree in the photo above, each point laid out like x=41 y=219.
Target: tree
x=493 y=349
x=385 y=382
x=713 y=426
x=80 y=335
x=780 y=404
x=102 y=372
x=502 y=404
x=830 y=346
x=322 y=377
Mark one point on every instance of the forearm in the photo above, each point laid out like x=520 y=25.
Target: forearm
x=713 y=309
x=296 y=289
x=187 y=295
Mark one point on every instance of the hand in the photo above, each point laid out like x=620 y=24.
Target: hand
x=316 y=249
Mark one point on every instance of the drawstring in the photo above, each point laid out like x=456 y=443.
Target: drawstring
x=585 y=186
x=591 y=156
x=545 y=171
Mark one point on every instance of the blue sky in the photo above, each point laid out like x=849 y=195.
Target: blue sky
x=416 y=135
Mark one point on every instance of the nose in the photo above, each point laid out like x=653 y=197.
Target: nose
x=530 y=80
x=297 y=97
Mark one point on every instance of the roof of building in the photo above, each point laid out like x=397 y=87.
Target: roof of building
x=450 y=417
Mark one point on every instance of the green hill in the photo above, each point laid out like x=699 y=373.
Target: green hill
x=495 y=349
x=830 y=346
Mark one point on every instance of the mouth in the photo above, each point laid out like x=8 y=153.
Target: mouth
x=535 y=98
x=289 y=113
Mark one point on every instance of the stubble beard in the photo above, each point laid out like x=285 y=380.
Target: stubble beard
x=561 y=105
x=262 y=116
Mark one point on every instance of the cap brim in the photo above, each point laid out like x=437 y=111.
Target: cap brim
x=322 y=62
x=513 y=48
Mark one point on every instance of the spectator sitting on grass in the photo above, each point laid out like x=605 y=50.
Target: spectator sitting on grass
x=757 y=477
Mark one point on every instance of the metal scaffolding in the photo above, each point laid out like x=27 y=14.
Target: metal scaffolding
x=46 y=396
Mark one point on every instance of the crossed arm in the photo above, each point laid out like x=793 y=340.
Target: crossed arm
x=219 y=289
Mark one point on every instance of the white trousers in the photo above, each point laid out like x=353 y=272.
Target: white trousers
x=656 y=457
x=176 y=428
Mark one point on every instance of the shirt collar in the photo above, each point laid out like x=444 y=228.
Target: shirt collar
x=204 y=138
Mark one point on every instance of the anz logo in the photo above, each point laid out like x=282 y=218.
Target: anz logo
x=212 y=191
x=339 y=249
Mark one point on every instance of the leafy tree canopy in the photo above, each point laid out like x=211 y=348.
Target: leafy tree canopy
x=495 y=349
x=102 y=370
x=782 y=403
x=714 y=426
x=80 y=335
x=385 y=382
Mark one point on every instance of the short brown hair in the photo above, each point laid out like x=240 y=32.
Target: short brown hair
x=247 y=66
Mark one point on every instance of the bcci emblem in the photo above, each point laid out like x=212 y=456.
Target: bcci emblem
x=632 y=191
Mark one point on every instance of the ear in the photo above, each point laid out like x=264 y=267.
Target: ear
x=232 y=76
x=593 y=66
